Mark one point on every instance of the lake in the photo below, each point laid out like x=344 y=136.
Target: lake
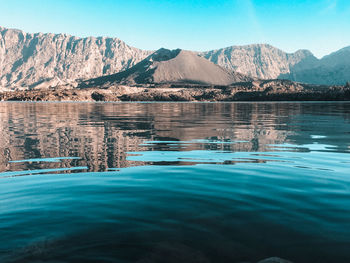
x=174 y=182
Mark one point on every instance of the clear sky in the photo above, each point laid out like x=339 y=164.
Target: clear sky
x=322 y=26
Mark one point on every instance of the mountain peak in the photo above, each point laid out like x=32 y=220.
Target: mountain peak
x=164 y=54
x=304 y=52
x=173 y=66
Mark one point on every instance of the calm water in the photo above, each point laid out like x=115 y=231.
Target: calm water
x=174 y=182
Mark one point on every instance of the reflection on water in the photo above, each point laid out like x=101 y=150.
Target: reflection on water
x=99 y=136
x=174 y=182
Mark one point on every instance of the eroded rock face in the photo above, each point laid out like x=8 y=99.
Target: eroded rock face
x=29 y=60
x=333 y=69
x=267 y=62
x=260 y=61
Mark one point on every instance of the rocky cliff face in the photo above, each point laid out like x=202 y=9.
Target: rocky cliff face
x=267 y=62
x=260 y=61
x=44 y=60
x=333 y=69
x=31 y=60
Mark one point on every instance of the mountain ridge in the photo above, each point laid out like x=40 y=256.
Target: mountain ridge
x=39 y=60
x=27 y=60
x=257 y=60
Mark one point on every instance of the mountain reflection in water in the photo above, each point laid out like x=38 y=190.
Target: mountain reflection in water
x=102 y=135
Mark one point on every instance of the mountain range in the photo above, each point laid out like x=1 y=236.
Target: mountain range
x=44 y=60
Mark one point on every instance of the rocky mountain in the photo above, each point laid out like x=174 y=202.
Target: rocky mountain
x=260 y=61
x=333 y=69
x=172 y=66
x=43 y=60
x=267 y=62
x=34 y=60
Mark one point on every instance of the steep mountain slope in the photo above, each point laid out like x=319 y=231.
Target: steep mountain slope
x=26 y=60
x=173 y=66
x=333 y=69
x=260 y=60
x=267 y=62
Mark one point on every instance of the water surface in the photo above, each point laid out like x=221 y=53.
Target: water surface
x=174 y=182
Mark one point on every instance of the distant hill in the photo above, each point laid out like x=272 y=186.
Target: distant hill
x=173 y=66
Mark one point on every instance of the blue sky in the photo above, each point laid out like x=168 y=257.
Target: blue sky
x=321 y=26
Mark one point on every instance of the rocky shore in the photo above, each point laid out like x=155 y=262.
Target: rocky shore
x=262 y=90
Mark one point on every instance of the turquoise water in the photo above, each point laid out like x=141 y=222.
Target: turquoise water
x=174 y=182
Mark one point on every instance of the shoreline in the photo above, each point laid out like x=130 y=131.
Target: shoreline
x=161 y=97
x=269 y=90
